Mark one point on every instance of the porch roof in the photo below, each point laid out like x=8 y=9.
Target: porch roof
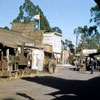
x=12 y=38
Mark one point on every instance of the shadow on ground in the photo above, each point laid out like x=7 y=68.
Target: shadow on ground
x=69 y=89
x=24 y=95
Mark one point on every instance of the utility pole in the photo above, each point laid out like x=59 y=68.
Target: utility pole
x=39 y=20
x=76 y=49
x=76 y=43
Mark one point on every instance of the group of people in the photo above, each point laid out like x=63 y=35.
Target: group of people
x=93 y=63
x=90 y=62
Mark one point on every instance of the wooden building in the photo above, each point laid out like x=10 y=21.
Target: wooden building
x=11 y=51
x=34 y=48
x=20 y=47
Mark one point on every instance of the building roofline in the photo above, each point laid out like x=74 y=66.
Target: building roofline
x=56 y=33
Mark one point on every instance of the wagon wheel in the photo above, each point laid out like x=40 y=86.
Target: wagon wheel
x=52 y=66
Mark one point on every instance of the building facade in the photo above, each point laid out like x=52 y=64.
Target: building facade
x=35 y=49
x=53 y=39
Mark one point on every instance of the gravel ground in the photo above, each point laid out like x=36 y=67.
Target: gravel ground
x=65 y=85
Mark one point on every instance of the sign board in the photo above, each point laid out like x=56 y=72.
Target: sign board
x=86 y=52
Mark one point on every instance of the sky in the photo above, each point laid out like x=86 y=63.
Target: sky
x=65 y=14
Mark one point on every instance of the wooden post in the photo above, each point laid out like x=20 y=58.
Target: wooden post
x=2 y=60
x=15 y=66
x=7 y=55
x=22 y=49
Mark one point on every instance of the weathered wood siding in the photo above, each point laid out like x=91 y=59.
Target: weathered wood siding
x=28 y=30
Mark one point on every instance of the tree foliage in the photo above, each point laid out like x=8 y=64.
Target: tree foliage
x=89 y=37
x=95 y=14
x=6 y=27
x=28 y=10
x=56 y=29
x=67 y=44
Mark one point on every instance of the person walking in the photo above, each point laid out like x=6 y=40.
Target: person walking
x=92 y=65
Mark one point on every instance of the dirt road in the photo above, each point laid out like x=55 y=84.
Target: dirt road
x=65 y=85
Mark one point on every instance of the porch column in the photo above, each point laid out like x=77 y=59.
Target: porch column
x=2 y=60
x=7 y=53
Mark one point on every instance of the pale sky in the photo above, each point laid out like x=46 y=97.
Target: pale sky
x=66 y=14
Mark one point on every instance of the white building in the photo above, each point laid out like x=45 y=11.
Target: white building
x=53 y=39
x=86 y=52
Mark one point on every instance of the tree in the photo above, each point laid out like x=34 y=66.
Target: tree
x=98 y=2
x=6 y=27
x=89 y=38
x=95 y=14
x=77 y=32
x=56 y=29
x=27 y=12
x=67 y=44
x=62 y=42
